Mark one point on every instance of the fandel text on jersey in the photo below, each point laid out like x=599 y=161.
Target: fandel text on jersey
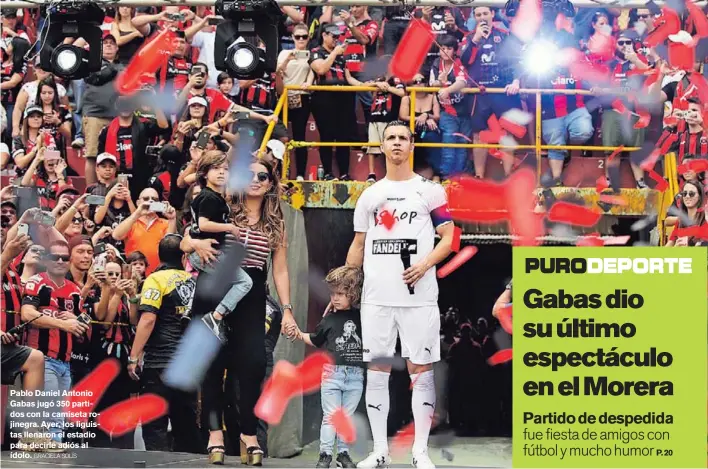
x=609 y=265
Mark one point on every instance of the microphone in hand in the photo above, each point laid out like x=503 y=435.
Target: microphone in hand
x=406 y=259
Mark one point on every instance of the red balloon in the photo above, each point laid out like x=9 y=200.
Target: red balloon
x=147 y=60
x=95 y=384
x=121 y=418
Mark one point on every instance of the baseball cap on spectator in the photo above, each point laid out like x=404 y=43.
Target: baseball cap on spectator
x=277 y=147
x=106 y=157
x=34 y=109
x=107 y=36
x=68 y=189
x=197 y=100
x=10 y=203
x=332 y=29
x=9 y=13
x=79 y=240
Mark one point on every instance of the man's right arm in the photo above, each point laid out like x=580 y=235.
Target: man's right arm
x=355 y=256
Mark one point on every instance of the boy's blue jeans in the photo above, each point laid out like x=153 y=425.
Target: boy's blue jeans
x=241 y=286
x=57 y=377
x=342 y=386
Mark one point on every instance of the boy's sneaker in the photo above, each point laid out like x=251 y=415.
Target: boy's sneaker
x=325 y=460
x=375 y=459
x=421 y=460
x=216 y=326
x=78 y=143
x=343 y=460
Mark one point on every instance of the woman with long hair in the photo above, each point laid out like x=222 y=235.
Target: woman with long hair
x=128 y=37
x=692 y=204
x=294 y=70
x=28 y=96
x=256 y=212
x=32 y=137
x=57 y=117
x=195 y=117
x=47 y=176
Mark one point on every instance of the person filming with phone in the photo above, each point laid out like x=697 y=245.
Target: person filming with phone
x=144 y=228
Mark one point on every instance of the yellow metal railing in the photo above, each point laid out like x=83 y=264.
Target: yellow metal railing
x=537 y=146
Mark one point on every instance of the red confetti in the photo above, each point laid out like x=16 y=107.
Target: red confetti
x=661 y=183
x=612 y=156
x=504 y=315
x=94 y=385
x=698 y=18
x=477 y=200
x=682 y=56
x=124 y=417
x=147 y=60
x=589 y=241
x=502 y=356
x=460 y=258
x=403 y=440
x=650 y=161
x=517 y=130
x=618 y=105
x=310 y=370
x=520 y=201
x=565 y=212
x=344 y=426
x=456 y=239
x=668 y=23
x=277 y=391
x=613 y=199
x=527 y=21
x=700 y=232
x=697 y=166
x=644 y=119
x=601 y=184
x=412 y=50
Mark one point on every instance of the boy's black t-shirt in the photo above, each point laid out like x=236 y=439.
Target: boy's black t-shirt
x=340 y=333
x=211 y=205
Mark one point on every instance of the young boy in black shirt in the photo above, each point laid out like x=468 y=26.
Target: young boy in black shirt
x=342 y=384
x=210 y=220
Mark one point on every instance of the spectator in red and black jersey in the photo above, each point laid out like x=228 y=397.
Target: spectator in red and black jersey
x=641 y=20
x=14 y=69
x=126 y=137
x=57 y=117
x=564 y=117
x=694 y=141
x=386 y=102
x=333 y=112
x=455 y=119
x=118 y=306
x=47 y=175
x=196 y=86
x=178 y=67
x=8 y=212
x=485 y=56
x=618 y=129
x=260 y=95
x=106 y=172
x=55 y=301
x=443 y=21
x=360 y=35
x=11 y=299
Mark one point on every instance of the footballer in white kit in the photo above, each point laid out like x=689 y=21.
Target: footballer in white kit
x=395 y=223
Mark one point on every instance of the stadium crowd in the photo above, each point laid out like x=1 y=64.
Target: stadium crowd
x=151 y=164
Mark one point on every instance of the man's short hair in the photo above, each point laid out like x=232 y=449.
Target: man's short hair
x=398 y=123
x=168 y=250
x=136 y=256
